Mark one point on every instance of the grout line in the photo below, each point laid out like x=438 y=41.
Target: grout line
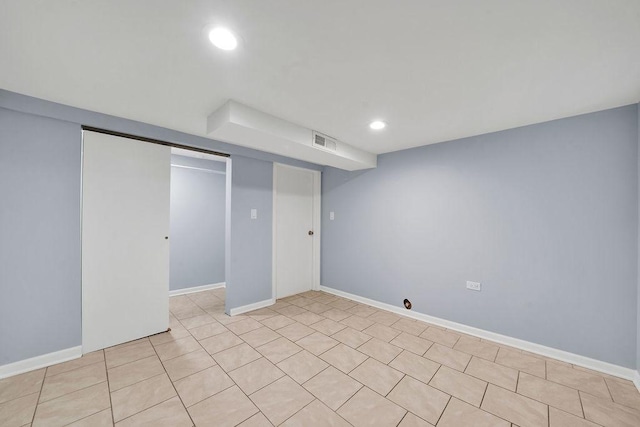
x=44 y=376
x=146 y=409
x=173 y=385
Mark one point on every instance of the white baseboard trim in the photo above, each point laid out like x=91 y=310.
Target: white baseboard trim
x=196 y=289
x=251 y=307
x=38 y=362
x=565 y=356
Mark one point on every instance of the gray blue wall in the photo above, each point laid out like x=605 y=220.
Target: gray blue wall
x=39 y=236
x=638 y=265
x=544 y=216
x=249 y=280
x=197 y=222
x=40 y=145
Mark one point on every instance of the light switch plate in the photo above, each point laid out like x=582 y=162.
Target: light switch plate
x=332 y=216
x=474 y=286
x=254 y=213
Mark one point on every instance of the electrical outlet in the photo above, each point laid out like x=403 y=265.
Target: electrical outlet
x=474 y=286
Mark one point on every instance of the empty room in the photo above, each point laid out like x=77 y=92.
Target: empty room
x=320 y=213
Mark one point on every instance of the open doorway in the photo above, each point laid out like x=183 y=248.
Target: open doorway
x=197 y=230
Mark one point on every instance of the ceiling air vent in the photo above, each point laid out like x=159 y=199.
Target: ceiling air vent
x=324 y=142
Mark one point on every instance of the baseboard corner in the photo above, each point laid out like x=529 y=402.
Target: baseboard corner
x=38 y=362
x=195 y=289
x=250 y=307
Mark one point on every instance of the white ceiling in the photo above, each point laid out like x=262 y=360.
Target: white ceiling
x=434 y=70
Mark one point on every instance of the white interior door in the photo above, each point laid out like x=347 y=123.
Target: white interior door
x=296 y=229
x=125 y=251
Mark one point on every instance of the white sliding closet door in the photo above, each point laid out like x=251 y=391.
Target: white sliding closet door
x=125 y=251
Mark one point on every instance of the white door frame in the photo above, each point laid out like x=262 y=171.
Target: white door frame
x=317 y=179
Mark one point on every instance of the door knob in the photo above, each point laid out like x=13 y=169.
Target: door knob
x=310 y=233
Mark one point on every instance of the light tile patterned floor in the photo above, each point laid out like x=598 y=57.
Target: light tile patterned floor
x=312 y=360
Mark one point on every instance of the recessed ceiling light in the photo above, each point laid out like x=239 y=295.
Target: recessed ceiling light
x=377 y=125
x=223 y=38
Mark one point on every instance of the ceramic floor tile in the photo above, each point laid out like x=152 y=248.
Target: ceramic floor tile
x=72 y=407
x=343 y=357
x=411 y=420
x=300 y=301
x=412 y=343
x=356 y=322
x=558 y=418
x=131 y=373
x=512 y=407
x=208 y=330
x=172 y=335
x=420 y=399
x=187 y=312
x=235 y=357
x=201 y=385
x=384 y=318
x=170 y=413
x=21 y=385
x=244 y=326
x=295 y=331
x=327 y=326
x=351 y=337
x=187 y=364
x=317 y=343
x=457 y=384
x=302 y=366
x=367 y=408
x=278 y=350
x=380 y=350
x=317 y=308
x=177 y=348
x=70 y=381
x=336 y=314
x=130 y=353
x=332 y=387
x=221 y=342
x=624 y=393
x=226 y=409
x=362 y=310
x=382 y=332
x=277 y=322
x=477 y=348
x=308 y=318
x=140 y=396
x=100 y=419
x=410 y=326
x=343 y=304
x=608 y=413
x=493 y=373
x=262 y=314
x=291 y=310
x=281 y=399
x=413 y=365
x=553 y=394
x=255 y=375
x=194 y=322
x=316 y=414
x=85 y=360
x=440 y=336
x=259 y=336
x=521 y=362
x=449 y=357
x=258 y=420
x=377 y=376
x=579 y=380
x=18 y=412
x=460 y=414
